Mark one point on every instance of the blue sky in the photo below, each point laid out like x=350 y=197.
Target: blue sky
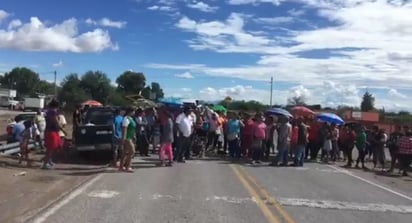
x=327 y=51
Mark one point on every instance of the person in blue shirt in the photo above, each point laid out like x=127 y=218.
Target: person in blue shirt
x=233 y=133
x=18 y=129
x=117 y=137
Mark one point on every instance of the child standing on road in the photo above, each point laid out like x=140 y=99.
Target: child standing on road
x=24 y=143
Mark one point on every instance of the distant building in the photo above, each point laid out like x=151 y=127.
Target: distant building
x=358 y=116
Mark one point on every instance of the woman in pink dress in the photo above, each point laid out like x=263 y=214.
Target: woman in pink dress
x=259 y=138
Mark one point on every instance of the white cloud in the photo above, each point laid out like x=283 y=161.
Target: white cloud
x=395 y=93
x=3 y=15
x=14 y=24
x=186 y=75
x=222 y=36
x=238 y=92
x=186 y=89
x=58 y=64
x=275 y=20
x=165 y=8
x=64 y=37
x=367 y=43
x=106 y=22
x=204 y=7
x=300 y=92
x=244 y=2
x=296 y=13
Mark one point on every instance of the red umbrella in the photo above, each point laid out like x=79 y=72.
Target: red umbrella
x=302 y=111
x=92 y=103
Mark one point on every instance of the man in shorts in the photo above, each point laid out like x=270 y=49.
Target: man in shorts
x=117 y=138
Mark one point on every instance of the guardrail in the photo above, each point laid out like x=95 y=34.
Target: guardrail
x=13 y=148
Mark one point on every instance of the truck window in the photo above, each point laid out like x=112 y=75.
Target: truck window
x=99 y=117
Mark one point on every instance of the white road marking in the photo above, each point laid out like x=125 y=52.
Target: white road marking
x=300 y=202
x=43 y=217
x=232 y=200
x=160 y=196
x=103 y=194
x=326 y=204
x=370 y=182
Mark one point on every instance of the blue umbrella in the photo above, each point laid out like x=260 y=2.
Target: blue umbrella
x=172 y=102
x=331 y=118
x=278 y=111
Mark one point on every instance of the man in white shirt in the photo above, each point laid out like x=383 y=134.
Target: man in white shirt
x=184 y=123
x=284 y=138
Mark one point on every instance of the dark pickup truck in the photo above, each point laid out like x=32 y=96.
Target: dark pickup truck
x=96 y=130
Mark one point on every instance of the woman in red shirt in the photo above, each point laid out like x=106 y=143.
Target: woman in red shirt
x=294 y=139
x=247 y=136
x=405 y=152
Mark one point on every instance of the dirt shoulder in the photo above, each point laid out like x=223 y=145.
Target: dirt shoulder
x=25 y=191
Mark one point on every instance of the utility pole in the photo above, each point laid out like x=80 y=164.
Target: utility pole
x=271 y=90
x=55 y=84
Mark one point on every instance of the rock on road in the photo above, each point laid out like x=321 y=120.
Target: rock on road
x=213 y=191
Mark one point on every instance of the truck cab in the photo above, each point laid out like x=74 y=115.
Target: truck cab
x=96 y=130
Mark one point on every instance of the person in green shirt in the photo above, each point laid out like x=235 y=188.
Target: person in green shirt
x=128 y=140
x=361 y=146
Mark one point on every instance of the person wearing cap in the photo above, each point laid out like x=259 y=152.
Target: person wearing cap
x=184 y=123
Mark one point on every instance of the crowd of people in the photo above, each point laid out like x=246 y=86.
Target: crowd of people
x=182 y=134
x=197 y=130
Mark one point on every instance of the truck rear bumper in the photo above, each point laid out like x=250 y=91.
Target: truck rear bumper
x=100 y=147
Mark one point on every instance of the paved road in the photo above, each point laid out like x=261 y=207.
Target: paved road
x=220 y=191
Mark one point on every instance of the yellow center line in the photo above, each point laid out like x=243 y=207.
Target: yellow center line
x=261 y=204
x=272 y=200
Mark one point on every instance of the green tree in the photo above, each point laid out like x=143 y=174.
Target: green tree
x=252 y=106
x=117 y=99
x=154 y=89
x=72 y=92
x=368 y=102
x=21 y=79
x=296 y=101
x=44 y=87
x=131 y=82
x=97 y=85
